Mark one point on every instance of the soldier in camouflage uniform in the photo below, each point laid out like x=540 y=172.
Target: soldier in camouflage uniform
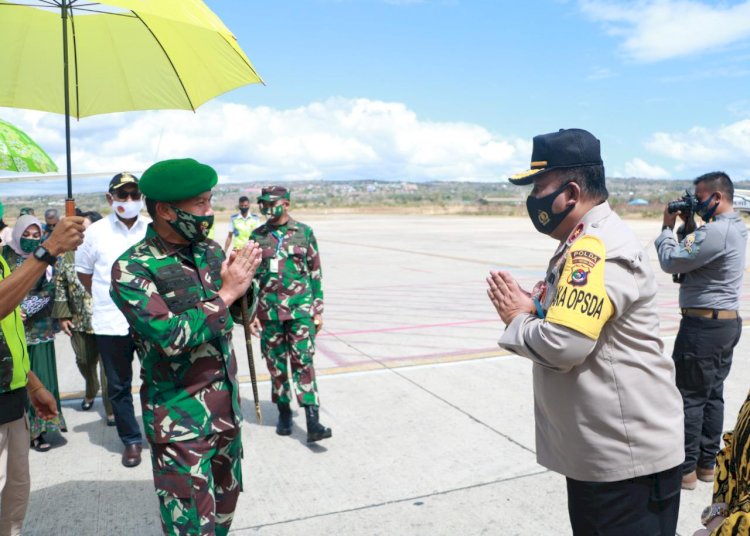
x=289 y=309
x=175 y=287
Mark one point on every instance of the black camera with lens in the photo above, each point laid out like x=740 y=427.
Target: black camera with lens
x=686 y=205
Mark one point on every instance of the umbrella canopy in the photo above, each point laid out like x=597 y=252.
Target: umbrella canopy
x=18 y=152
x=124 y=55
x=84 y=57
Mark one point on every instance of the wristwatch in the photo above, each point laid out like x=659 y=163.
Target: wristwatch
x=41 y=254
x=715 y=510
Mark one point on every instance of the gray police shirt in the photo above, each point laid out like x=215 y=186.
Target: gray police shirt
x=712 y=260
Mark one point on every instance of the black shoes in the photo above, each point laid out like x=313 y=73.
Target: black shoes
x=284 y=426
x=87 y=404
x=39 y=444
x=315 y=430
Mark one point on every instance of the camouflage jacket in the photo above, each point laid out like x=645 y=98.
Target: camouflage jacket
x=288 y=280
x=71 y=299
x=183 y=332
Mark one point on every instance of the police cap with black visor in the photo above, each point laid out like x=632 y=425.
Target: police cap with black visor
x=564 y=149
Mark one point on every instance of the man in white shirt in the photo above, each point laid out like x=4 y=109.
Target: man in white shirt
x=105 y=241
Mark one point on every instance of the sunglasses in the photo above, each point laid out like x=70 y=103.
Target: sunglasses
x=123 y=196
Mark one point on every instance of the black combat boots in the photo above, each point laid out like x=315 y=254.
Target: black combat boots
x=284 y=426
x=315 y=430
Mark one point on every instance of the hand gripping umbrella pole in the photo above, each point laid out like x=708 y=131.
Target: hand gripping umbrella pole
x=250 y=357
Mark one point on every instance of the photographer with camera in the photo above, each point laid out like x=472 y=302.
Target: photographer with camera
x=710 y=261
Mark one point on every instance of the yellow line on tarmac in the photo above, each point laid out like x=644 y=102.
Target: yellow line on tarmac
x=374 y=365
x=360 y=367
x=396 y=363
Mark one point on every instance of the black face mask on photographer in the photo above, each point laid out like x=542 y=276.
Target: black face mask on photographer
x=540 y=211
x=705 y=210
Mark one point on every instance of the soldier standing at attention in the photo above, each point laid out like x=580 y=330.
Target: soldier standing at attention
x=175 y=288
x=290 y=309
x=241 y=225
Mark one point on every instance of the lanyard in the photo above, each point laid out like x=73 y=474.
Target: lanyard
x=279 y=236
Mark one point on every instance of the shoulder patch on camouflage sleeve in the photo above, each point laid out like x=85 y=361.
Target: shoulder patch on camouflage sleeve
x=581 y=302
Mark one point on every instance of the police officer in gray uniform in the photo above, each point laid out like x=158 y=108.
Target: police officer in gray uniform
x=608 y=415
x=711 y=261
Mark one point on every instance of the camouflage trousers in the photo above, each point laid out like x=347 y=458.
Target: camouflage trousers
x=290 y=343
x=198 y=483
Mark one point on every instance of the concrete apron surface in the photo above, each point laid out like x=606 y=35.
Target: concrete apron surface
x=433 y=429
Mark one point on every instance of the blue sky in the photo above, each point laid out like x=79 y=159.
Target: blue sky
x=452 y=89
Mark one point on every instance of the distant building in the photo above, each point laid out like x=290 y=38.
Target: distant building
x=742 y=200
x=638 y=202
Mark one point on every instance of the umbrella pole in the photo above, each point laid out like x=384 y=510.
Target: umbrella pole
x=70 y=204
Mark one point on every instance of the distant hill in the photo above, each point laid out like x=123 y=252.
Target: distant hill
x=398 y=196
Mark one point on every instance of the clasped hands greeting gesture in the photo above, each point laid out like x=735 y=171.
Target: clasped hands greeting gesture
x=238 y=270
x=509 y=299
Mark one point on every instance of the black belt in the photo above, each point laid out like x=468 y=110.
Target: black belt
x=716 y=314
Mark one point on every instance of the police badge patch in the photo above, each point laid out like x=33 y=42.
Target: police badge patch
x=578 y=277
x=689 y=244
x=580 y=301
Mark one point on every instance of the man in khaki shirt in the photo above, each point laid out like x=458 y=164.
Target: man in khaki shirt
x=608 y=414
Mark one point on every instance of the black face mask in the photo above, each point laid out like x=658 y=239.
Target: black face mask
x=244 y=210
x=540 y=211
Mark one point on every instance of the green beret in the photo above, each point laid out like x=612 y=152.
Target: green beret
x=176 y=180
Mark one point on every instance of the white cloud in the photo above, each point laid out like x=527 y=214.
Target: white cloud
x=601 y=73
x=334 y=139
x=643 y=170
x=655 y=30
x=701 y=149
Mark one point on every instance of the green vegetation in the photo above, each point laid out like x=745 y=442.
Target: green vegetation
x=498 y=198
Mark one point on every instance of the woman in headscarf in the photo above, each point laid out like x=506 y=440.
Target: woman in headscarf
x=39 y=325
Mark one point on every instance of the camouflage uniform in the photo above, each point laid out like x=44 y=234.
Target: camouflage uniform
x=289 y=295
x=189 y=394
x=73 y=302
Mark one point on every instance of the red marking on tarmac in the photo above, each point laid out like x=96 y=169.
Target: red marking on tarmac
x=495 y=350
x=439 y=284
x=405 y=328
x=334 y=356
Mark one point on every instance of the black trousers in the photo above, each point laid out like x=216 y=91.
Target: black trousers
x=643 y=506
x=702 y=357
x=117 y=359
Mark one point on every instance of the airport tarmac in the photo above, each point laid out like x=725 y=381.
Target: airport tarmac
x=432 y=421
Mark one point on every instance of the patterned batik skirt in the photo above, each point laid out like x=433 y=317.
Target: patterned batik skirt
x=43 y=364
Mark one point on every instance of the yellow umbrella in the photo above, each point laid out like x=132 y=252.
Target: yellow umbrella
x=114 y=56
